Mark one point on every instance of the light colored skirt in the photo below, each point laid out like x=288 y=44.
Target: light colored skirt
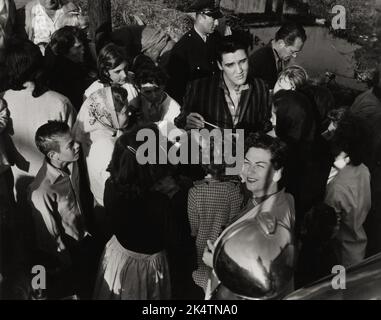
x=128 y=275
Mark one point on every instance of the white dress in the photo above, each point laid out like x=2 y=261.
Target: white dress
x=97 y=162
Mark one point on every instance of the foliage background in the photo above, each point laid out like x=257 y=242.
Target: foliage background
x=363 y=26
x=163 y=14
x=363 y=21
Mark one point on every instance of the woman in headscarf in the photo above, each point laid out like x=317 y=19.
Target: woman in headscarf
x=102 y=119
x=112 y=67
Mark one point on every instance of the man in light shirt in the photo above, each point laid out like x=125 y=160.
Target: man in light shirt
x=61 y=232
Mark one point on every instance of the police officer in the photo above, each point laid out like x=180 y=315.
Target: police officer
x=193 y=56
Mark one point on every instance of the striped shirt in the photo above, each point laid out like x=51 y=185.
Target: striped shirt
x=207 y=97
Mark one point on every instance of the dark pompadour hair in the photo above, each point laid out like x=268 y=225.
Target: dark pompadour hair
x=46 y=136
x=230 y=44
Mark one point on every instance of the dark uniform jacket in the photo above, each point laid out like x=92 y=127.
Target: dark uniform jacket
x=263 y=65
x=191 y=58
x=206 y=96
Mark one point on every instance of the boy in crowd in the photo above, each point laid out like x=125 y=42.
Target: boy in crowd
x=61 y=232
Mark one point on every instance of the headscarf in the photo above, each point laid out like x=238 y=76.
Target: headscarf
x=97 y=119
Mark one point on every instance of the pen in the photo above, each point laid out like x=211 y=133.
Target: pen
x=212 y=125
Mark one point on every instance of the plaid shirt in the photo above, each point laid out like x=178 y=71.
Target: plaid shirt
x=212 y=205
x=42 y=25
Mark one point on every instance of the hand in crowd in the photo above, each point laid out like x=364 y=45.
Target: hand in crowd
x=207 y=257
x=195 y=121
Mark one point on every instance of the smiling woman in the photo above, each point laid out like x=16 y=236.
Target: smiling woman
x=258 y=245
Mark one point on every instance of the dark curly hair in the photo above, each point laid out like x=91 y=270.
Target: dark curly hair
x=276 y=147
x=64 y=39
x=126 y=173
x=151 y=75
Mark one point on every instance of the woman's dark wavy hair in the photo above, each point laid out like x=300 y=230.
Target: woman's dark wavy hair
x=24 y=62
x=277 y=147
x=64 y=39
x=109 y=58
x=126 y=173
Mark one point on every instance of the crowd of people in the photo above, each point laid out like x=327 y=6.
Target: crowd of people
x=76 y=199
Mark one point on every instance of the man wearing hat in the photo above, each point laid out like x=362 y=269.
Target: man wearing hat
x=193 y=56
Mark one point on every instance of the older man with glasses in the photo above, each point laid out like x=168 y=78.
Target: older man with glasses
x=267 y=62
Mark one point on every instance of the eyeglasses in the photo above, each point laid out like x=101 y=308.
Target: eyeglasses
x=293 y=52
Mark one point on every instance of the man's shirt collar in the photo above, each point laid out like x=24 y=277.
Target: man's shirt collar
x=53 y=173
x=278 y=60
x=223 y=85
x=202 y=36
